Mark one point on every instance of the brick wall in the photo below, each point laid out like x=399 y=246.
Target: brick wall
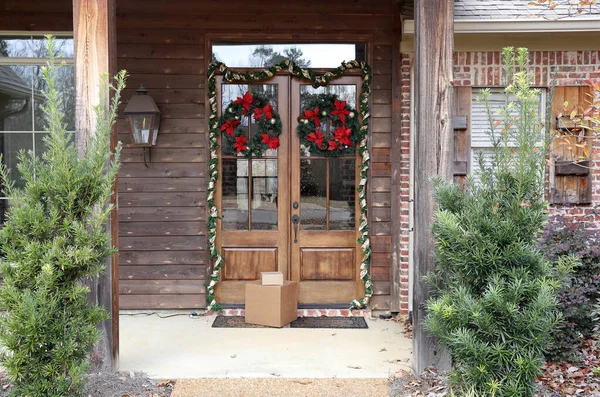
x=484 y=69
x=405 y=182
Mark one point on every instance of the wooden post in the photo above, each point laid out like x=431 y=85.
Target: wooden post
x=94 y=26
x=434 y=48
x=396 y=244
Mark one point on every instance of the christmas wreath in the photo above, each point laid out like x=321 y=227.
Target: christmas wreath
x=328 y=126
x=254 y=106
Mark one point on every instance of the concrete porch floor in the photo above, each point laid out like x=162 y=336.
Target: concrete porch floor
x=181 y=347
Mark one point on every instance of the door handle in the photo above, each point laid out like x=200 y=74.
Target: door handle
x=295 y=221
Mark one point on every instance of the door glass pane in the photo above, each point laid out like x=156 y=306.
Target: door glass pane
x=341 y=194
x=269 y=91
x=313 y=194
x=344 y=93
x=264 y=194
x=229 y=94
x=235 y=194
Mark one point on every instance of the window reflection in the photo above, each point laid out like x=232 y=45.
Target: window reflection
x=304 y=55
x=22 y=124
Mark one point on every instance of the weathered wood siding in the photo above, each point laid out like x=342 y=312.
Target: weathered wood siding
x=163 y=257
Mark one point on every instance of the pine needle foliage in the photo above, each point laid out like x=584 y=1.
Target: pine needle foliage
x=53 y=240
x=494 y=294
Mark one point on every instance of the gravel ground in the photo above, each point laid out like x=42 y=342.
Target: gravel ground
x=121 y=384
x=274 y=387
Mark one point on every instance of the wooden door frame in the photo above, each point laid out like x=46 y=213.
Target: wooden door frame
x=298 y=38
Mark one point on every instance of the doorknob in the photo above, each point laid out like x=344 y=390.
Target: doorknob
x=295 y=221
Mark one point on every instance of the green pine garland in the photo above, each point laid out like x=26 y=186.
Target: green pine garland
x=362 y=136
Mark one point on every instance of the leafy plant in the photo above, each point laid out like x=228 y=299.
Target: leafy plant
x=494 y=304
x=53 y=240
x=563 y=237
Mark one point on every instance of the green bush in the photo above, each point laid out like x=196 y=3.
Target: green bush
x=53 y=240
x=494 y=294
x=581 y=290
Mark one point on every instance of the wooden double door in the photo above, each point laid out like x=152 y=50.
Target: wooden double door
x=289 y=210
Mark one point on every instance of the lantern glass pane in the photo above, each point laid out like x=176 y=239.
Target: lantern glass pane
x=140 y=125
x=155 y=128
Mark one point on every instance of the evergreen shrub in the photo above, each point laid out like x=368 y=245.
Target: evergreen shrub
x=55 y=238
x=494 y=303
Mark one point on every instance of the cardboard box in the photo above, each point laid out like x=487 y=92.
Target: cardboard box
x=271 y=305
x=271 y=278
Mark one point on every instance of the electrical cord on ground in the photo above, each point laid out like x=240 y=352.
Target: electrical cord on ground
x=147 y=314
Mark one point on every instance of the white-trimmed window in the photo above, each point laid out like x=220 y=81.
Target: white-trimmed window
x=22 y=56
x=481 y=142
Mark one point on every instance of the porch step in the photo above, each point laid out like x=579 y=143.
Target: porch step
x=306 y=313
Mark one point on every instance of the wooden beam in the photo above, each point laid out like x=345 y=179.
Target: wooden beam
x=94 y=27
x=396 y=245
x=434 y=47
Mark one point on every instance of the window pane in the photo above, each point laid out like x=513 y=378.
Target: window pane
x=313 y=194
x=264 y=194
x=341 y=194
x=63 y=47
x=10 y=145
x=235 y=194
x=65 y=82
x=3 y=209
x=16 y=46
x=15 y=98
x=34 y=47
x=305 y=55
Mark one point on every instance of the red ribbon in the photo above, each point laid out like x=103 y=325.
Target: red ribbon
x=342 y=135
x=229 y=126
x=340 y=110
x=272 y=143
x=316 y=137
x=240 y=144
x=245 y=101
x=312 y=115
x=267 y=111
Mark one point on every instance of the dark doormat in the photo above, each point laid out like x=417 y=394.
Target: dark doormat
x=301 y=322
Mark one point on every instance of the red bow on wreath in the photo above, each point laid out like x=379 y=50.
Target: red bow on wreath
x=240 y=144
x=312 y=114
x=340 y=110
x=267 y=111
x=245 y=101
x=229 y=126
x=342 y=135
x=316 y=137
x=272 y=143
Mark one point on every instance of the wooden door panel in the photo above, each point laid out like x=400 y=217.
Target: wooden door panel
x=326 y=292
x=248 y=263
x=326 y=264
